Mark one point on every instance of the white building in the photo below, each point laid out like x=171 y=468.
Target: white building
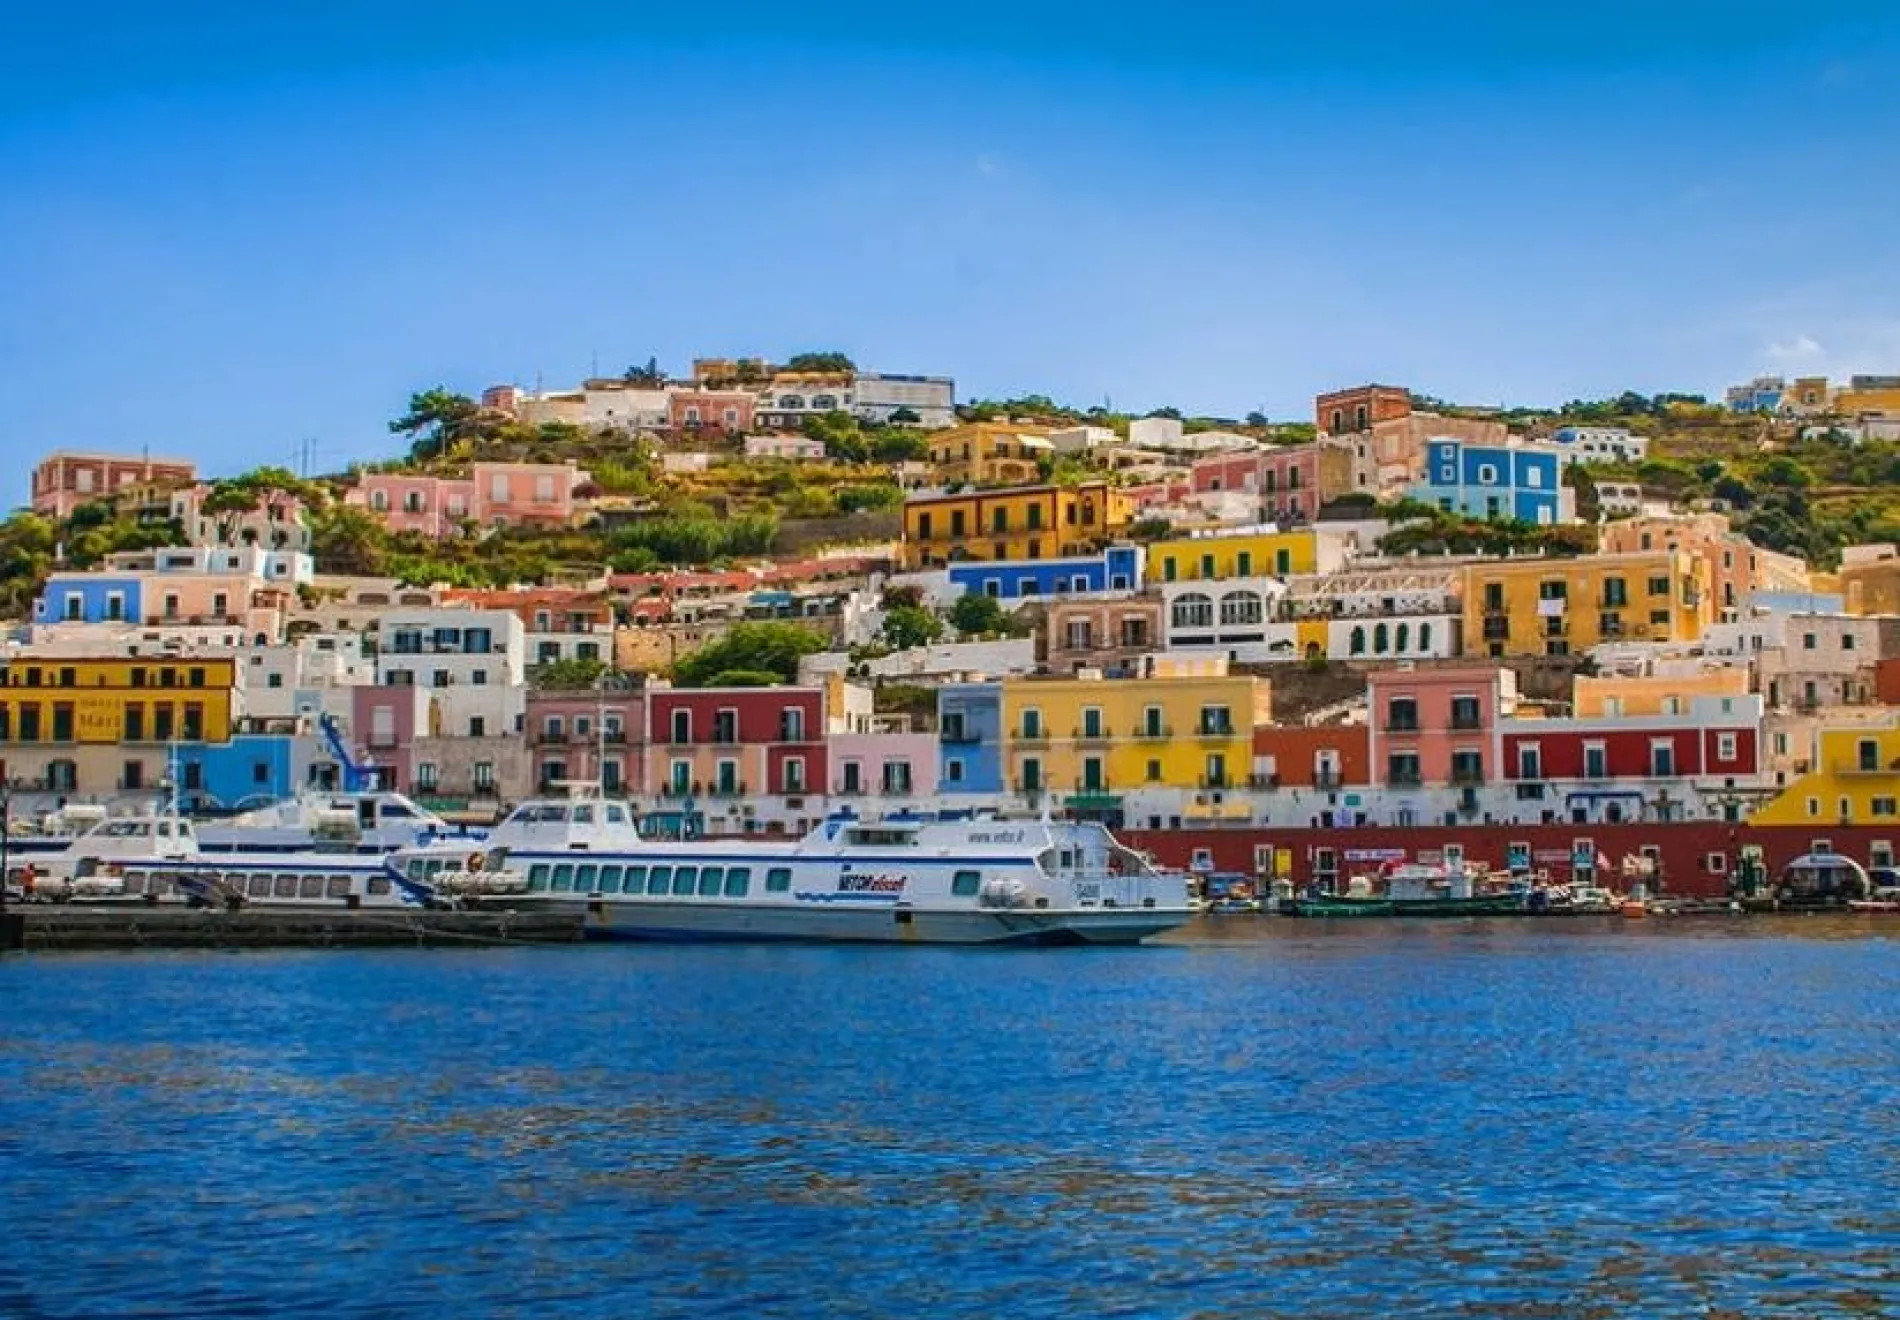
x=880 y=396
x=1081 y=439
x=1603 y=444
x=796 y=448
x=472 y=662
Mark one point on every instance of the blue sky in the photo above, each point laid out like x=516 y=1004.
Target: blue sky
x=227 y=228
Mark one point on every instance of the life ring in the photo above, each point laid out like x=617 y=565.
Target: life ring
x=475 y=861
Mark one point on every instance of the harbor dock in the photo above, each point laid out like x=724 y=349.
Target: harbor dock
x=58 y=927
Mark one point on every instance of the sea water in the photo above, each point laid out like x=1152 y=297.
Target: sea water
x=1257 y=1118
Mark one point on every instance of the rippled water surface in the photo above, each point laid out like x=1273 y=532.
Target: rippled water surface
x=1262 y=1118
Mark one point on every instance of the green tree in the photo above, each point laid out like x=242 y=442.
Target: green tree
x=763 y=648
x=911 y=625
x=437 y=419
x=1589 y=504
x=347 y=540
x=905 y=417
x=976 y=613
x=1784 y=471
x=828 y=361
x=843 y=440
x=573 y=672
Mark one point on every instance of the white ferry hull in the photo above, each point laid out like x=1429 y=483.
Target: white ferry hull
x=708 y=922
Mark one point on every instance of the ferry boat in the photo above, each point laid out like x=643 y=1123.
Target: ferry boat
x=973 y=880
x=153 y=859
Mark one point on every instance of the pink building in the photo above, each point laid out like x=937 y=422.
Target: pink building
x=434 y=506
x=64 y=481
x=494 y=495
x=583 y=737
x=384 y=725
x=1438 y=726
x=1291 y=482
x=877 y=772
x=508 y=493
x=728 y=412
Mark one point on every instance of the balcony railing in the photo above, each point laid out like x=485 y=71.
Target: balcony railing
x=1401 y=725
x=958 y=737
x=1154 y=732
x=1033 y=736
x=1857 y=766
x=1326 y=780
x=1467 y=774
x=1404 y=779
x=1467 y=722
x=1099 y=734
x=1214 y=730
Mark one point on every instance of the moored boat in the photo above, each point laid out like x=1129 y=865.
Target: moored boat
x=968 y=880
x=1410 y=890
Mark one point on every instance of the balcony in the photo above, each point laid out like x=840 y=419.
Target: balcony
x=1217 y=782
x=1404 y=779
x=1033 y=738
x=958 y=738
x=1467 y=774
x=1099 y=734
x=1218 y=729
x=736 y=790
x=1859 y=766
x=1407 y=725
x=1467 y=722
x=1327 y=781
x=1154 y=733
x=1263 y=781
x=1497 y=629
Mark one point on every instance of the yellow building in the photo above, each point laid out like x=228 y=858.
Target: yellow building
x=1614 y=698
x=1567 y=606
x=1237 y=555
x=990 y=454
x=1029 y=522
x=53 y=699
x=1097 y=738
x=1858 y=403
x=1855 y=781
x=1870 y=583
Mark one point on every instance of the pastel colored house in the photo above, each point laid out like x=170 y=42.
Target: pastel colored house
x=1323 y=758
x=1216 y=556
x=990 y=454
x=875 y=772
x=1639 y=767
x=1602 y=444
x=712 y=412
x=1032 y=522
x=1291 y=483
x=1494 y=482
x=435 y=507
x=739 y=760
x=1437 y=727
x=588 y=737
x=790 y=448
x=970 y=739
x=1118 y=568
x=1098 y=632
x=1855 y=780
x=65 y=480
x=509 y=494
x=1568 y=606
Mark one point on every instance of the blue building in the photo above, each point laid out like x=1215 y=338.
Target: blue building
x=1117 y=568
x=89 y=598
x=970 y=738
x=1523 y=481
x=246 y=772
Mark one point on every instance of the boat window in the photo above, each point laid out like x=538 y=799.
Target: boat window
x=659 y=879
x=417 y=868
x=616 y=814
x=965 y=883
x=738 y=881
x=538 y=877
x=710 y=879
x=337 y=886
x=585 y=877
x=436 y=868
x=584 y=815
x=259 y=887
x=135 y=883
x=164 y=829
x=683 y=878
x=284 y=886
x=311 y=886
x=609 y=879
x=778 y=879
x=563 y=878
x=396 y=811
x=378 y=886
x=882 y=837
x=549 y=813
x=636 y=879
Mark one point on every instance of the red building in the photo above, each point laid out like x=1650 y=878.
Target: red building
x=1348 y=412
x=64 y=481
x=755 y=758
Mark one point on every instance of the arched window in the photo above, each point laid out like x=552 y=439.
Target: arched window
x=1240 y=607
x=1425 y=637
x=1358 y=640
x=1194 y=611
x=1381 y=638
x=1405 y=637
x=379 y=500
